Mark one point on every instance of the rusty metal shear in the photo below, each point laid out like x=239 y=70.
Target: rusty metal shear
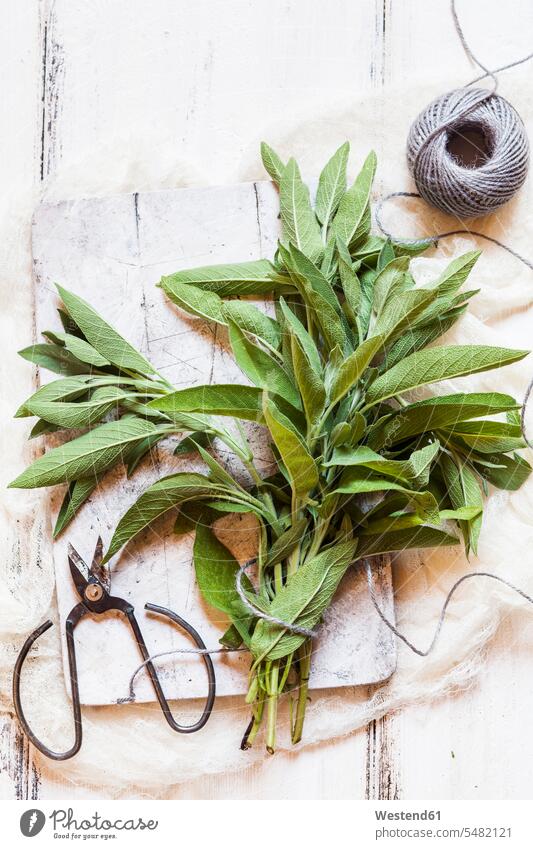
x=93 y=586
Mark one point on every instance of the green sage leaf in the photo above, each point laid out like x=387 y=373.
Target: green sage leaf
x=242 y=402
x=216 y=570
x=420 y=537
x=301 y=467
x=332 y=185
x=264 y=371
x=251 y=320
x=77 y=494
x=350 y=223
x=273 y=164
x=300 y=226
x=437 y=364
x=89 y=454
x=351 y=369
x=102 y=336
x=244 y=278
x=158 y=499
x=302 y=600
x=54 y=358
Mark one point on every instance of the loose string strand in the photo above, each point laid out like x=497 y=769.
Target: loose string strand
x=421 y=652
x=372 y=593
x=433 y=240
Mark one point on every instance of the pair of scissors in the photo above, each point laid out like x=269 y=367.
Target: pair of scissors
x=93 y=585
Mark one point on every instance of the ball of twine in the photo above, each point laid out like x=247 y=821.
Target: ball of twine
x=503 y=154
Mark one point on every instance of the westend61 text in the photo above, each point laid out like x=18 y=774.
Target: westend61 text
x=407 y=815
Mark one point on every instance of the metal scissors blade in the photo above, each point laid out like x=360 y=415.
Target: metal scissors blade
x=82 y=575
x=78 y=569
x=101 y=573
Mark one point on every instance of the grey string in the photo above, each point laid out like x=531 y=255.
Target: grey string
x=442 y=616
x=523 y=414
x=288 y=626
x=440 y=179
x=432 y=241
x=308 y=633
x=131 y=696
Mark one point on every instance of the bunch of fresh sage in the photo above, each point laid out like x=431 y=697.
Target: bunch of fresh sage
x=361 y=466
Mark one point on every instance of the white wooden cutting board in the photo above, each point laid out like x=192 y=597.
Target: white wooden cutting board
x=112 y=251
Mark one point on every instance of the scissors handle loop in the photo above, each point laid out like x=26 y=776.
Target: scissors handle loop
x=74 y=617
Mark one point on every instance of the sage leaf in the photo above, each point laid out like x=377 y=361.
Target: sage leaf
x=273 y=164
x=76 y=414
x=419 y=337
x=301 y=467
x=420 y=537
x=386 y=255
x=487 y=437
x=355 y=481
x=218 y=473
x=77 y=494
x=190 y=443
x=140 y=449
x=308 y=272
x=414 y=471
x=456 y=272
x=300 y=226
x=216 y=570
x=328 y=320
x=79 y=347
x=340 y=434
x=357 y=428
x=511 y=474
x=412 y=520
x=310 y=384
x=244 y=278
x=42 y=427
x=196 y=301
x=434 y=413
x=351 y=222
x=351 y=369
x=286 y=543
x=437 y=364
x=252 y=320
x=54 y=358
x=303 y=336
x=58 y=390
x=331 y=185
x=302 y=600
x=388 y=282
x=102 y=336
x=260 y=367
x=242 y=402
x=401 y=311
x=158 y=499
x=464 y=491
x=91 y=453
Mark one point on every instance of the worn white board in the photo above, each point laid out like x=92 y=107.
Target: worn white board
x=112 y=251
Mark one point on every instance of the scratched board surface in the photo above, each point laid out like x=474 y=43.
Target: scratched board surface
x=112 y=251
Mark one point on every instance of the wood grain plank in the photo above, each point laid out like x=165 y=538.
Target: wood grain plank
x=382 y=757
x=16 y=762
x=20 y=144
x=52 y=81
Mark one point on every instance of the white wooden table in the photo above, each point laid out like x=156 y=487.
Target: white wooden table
x=83 y=75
